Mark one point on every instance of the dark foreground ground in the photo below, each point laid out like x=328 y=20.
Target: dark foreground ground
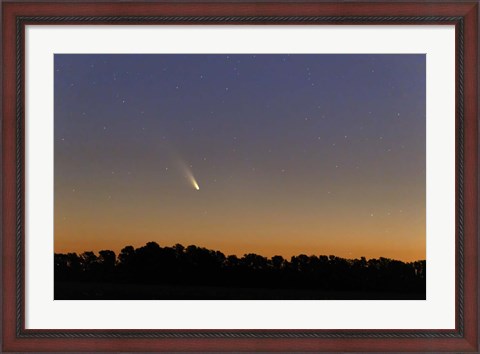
x=121 y=291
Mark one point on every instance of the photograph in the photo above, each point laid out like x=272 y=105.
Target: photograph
x=240 y=176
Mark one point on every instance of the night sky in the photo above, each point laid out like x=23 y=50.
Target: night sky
x=313 y=154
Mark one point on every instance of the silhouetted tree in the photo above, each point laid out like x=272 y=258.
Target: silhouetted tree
x=278 y=262
x=198 y=266
x=107 y=262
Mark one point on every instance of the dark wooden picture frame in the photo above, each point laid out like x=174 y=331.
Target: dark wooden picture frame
x=15 y=15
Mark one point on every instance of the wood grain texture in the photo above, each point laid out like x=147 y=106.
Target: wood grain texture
x=20 y=339
x=471 y=177
x=240 y=9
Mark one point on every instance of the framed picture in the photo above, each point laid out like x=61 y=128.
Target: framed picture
x=247 y=176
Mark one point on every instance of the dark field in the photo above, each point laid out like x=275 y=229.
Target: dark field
x=115 y=291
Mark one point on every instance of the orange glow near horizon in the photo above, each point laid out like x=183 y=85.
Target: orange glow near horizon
x=232 y=229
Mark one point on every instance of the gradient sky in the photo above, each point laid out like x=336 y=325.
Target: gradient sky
x=314 y=154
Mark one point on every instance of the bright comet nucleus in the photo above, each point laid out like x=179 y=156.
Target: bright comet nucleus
x=195 y=184
x=189 y=174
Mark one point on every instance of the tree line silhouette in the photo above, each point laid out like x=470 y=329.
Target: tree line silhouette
x=198 y=266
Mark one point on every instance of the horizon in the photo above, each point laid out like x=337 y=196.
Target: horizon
x=272 y=154
x=239 y=255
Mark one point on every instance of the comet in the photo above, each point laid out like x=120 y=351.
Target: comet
x=180 y=164
x=194 y=183
x=191 y=178
x=189 y=174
